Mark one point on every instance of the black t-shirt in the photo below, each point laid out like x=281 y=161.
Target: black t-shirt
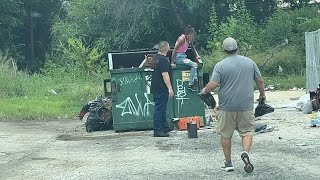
x=162 y=64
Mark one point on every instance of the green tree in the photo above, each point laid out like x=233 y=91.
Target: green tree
x=240 y=26
x=213 y=29
x=11 y=18
x=297 y=4
x=291 y=25
x=261 y=10
x=25 y=30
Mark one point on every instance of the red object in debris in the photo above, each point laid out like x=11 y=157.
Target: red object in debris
x=183 y=122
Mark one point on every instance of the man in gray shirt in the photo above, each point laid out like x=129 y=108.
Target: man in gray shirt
x=235 y=75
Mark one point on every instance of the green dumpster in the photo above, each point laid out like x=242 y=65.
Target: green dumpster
x=132 y=101
x=186 y=102
x=133 y=105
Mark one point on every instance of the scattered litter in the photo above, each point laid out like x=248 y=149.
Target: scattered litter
x=293 y=89
x=269 y=88
x=307 y=108
x=295 y=98
x=53 y=91
x=303 y=100
x=302 y=144
x=262 y=128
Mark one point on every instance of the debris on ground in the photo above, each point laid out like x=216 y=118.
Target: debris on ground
x=97 y=114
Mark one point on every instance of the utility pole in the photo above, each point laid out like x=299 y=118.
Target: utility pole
x=31 y=34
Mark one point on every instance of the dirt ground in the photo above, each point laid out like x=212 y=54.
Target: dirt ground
x=63 y=150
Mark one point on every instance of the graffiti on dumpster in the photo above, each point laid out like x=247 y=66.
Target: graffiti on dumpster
x=148 y=85
x=181 y=94
x=130 y=79
x=135 y=109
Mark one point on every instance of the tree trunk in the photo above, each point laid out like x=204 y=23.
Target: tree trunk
x=178 y=16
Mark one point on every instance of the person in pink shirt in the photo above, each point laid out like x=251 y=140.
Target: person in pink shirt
x=179 y=55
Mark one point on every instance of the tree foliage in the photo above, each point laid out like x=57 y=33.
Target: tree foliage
x=297 y=4
x=240 y=26
x=11 y=18
x=25 y=30
x=291 y=25
x=64 y=30
x=261 y=10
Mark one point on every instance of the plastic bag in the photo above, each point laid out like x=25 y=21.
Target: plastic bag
x=262 y=109
x=307 y=108
x=208 y=99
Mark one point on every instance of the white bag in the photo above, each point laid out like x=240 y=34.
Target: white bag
x=307 y=108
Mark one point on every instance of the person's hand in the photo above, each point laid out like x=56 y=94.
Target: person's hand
x=262 y=98
x=203 y=91
x=171 y=94
x=173 y=65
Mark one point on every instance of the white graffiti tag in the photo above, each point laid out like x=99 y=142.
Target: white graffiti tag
x=181 y=93
x=148 y=85
x=129 y=79
x=128 y=107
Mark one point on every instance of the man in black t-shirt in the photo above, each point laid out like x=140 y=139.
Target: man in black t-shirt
x=161 y=89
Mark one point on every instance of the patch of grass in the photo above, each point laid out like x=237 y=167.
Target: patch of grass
x=29 y=97
x=36 y=108
x=66 y=104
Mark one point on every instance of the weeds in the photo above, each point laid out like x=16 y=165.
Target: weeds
x=57 y=93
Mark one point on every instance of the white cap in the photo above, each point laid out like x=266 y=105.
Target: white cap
x=230 y=44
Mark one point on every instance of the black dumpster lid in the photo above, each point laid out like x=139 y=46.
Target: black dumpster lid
x=133 y=50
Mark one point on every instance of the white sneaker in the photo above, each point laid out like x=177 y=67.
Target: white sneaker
x=227 y=167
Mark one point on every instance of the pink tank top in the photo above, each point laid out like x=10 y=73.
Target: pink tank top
x=184 y=47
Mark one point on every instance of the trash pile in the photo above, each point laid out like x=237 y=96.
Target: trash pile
x=97 y=114
x=309 y=102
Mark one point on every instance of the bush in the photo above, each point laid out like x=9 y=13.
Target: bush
x=292 y=62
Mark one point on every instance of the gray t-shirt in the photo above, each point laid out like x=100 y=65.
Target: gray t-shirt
x=236 y=75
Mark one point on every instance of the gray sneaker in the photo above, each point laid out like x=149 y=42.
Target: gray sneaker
x=227 y=167
x=245 y=158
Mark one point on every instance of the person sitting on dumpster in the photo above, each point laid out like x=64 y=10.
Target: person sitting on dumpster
x=161 y=89
x=179 y=54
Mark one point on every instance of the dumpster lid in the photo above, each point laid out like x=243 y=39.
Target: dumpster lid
x=134 y=58
x=128 y=58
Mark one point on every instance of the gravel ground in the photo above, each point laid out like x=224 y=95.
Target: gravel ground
x=63 y=150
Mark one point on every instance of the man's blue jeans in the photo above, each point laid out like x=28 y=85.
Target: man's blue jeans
x=160 y=112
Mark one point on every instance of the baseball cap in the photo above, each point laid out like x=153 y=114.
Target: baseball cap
x=230 y=44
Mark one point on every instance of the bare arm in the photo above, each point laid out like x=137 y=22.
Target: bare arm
x=260 y=84
x=210 y=87
x=166 y=78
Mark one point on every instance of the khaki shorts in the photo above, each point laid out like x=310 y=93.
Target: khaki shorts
x=228 y=122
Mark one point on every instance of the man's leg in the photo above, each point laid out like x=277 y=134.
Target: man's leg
x=245 y=128
x=161 y=108
x=157 y=115
x=246 y=142
x=165 y=126
x=226 y=127
x=226 y=145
